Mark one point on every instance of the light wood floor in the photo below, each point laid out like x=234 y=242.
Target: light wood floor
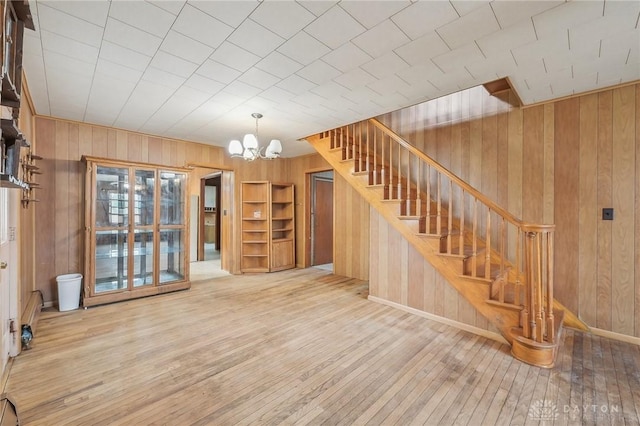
x=303 y=347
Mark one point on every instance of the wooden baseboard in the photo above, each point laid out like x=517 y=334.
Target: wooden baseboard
x=462 y=326
x=615 y=336
x=31 y=313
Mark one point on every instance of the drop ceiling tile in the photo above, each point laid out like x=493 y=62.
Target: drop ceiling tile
x=232 y=13
x=449 y=81
x=385 y=65
x=217 y=71
x=509 y=13
x=388 y=85
x=627 y=40
x=339 y=103
x=535 y=82
x=533 y=52
x=568 y=15
x=303 y=48
x=335 y=27
x=276 y=94
x=69 y=47
x=54 y=60
x=171 y=6
x=380 y=39
x=191 y=94
x=308 y=99
x=94 y=12
x=424 y=16
x=562 y=60
x=259 y=78
x=142 y=15
x=601 y=28
x=228 y=99
x=417 y=74
x=173 y=64
x=458 y=58
x=346 y=57
x=296 y=84
x=464 y=7
x=422 y=49
x=371 y=13
x=279 y=65
x=329 y=90
x=476 y=24
x=185 y=47
x=131 y=38
x=494 y=67
x=199 y=26
x=235 y=57
x=360 y=95
x=282 y=17
x=504 y=40
x=255 y=38
x=123 y=56
x=69 y=26
x=118 y=71
x=164 y=78
x=204 y=84
x=317 y=7
x=318 y=72
x=355 y=78
x=241 y=89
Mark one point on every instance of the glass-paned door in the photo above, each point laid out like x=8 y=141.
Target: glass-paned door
x=172 y=226
x=112 y=229
x=143 y=220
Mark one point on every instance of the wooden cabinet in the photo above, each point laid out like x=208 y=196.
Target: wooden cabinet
x=136 y=230
x=267 y=226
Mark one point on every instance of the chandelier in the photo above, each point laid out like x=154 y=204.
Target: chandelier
x=249 y=149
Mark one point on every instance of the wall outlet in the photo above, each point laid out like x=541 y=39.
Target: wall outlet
x=607 y=214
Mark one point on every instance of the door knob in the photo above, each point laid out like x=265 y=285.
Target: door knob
x=3 y=265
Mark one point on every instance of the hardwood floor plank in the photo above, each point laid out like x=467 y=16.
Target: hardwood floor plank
x=298 y=347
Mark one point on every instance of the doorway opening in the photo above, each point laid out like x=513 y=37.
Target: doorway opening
x=209 y=228
x=321 y=219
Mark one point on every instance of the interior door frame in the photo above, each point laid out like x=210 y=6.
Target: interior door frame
x=307 y=212
x=201 y=212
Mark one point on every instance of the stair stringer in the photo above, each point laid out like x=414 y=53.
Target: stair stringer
x=503 y=318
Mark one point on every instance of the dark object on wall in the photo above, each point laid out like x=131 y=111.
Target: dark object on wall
x=607 y=214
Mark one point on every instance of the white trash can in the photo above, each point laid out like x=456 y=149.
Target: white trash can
x=69 y=291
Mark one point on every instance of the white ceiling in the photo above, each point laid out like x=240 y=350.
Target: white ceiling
x=196 y=70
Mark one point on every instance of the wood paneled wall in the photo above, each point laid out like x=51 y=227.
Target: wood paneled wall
x=560 y=162
x=400 y=274
x=59 y=235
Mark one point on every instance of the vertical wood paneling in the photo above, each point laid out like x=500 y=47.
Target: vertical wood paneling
x=74 y=207
x=623 y=178
x=567 y=162
x=587 y=249
x=155 y=150
x=637 y=216
x=605 y=152
x=62 y=194
x=561 y=162
x=415 y=277
x=533 y=166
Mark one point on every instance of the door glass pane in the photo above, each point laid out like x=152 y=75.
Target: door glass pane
x=143 y=198
x=111 y=261
x=172 y=187
x=171 y=255
x=143 y=258
x=112 y=197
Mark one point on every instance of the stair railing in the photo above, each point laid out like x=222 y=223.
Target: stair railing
x=497 y=247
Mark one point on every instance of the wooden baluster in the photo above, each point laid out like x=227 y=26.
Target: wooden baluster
x=383 y=164
x=502 y=259
x=461 y=231
x=438 y=203
x=368 y=143
x=450 y=219
x=518 y=268
x=551 y=337
x=428 y=199
x=487 y=255
x=419 y=187
x=474 y=236
x=390 y=181
x=353 y=145
x=530 y=283
x=409 y=197
x=540 y=317
x=376 y=176
x=400 y=185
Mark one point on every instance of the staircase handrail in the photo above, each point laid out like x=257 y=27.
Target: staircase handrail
x=525 y=226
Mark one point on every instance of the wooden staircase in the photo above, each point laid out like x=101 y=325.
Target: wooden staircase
x=501 y=265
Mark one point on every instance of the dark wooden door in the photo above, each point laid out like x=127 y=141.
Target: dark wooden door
x=322 y=213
